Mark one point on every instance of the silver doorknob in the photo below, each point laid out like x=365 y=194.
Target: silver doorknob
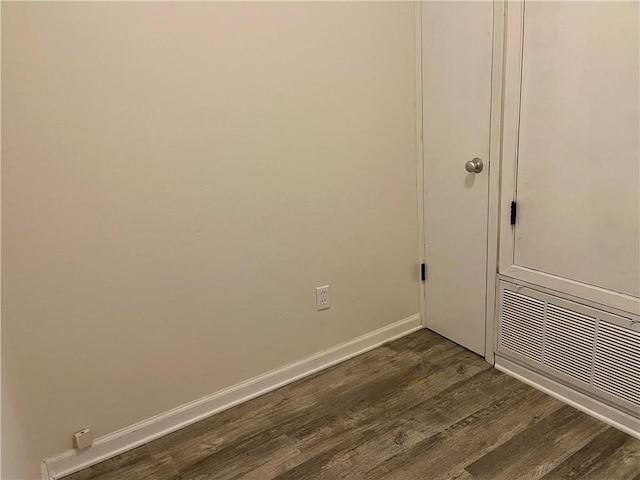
x=474 y=166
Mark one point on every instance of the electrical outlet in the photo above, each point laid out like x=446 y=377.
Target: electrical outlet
x=82 y=439
x=323 y=297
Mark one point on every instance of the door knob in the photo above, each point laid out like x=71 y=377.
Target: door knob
x=474 y=166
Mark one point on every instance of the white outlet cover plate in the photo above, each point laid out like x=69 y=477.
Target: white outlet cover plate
x=323 y=297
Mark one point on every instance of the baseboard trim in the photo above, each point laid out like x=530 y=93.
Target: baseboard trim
x=44 y=471
x=582 y=402
x=109 y=446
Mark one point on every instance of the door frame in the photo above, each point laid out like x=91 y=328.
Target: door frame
x=419 y=159
x=494 y=166
x=495 y=174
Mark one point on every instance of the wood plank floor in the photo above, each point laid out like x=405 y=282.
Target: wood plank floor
x=420 y=407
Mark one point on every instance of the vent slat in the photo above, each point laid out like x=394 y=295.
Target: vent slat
x=528 y=322
x=525 y=313
x=562 y=351
x=582 y=326
x=629 y=396
x=616 y=363
x=624 y=379
x=607 y=351
x=513 y=336
x=523 y=316
x=570 y=336
x=520 y=308
x=631 y=337
x=612 y=366
x=631 y=341
x=568 y=342
x=631 y=349
x=525 y=335
x=522 y=325
x=568 y=313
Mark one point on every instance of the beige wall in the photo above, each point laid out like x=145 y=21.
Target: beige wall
x=176 y=181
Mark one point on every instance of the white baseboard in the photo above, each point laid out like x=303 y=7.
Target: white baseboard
x=131 y=437
x=582 y=402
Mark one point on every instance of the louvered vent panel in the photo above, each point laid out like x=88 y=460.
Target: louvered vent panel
x=617 y=362
x=522 y=324
x=568 y=342
x=591 y=349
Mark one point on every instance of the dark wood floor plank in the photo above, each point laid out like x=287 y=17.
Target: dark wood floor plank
x=399 y=428
x=297 y=397
x=349 y=415
x=189 y=445
x=611 y=452
x=446 y=452
x=351 y=458
x=622 y=465
x=539 y=449
x=431 y=416
x=419 y=407
x=135 y=464
x=462 y=475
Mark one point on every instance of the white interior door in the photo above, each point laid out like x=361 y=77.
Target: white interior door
x=576 y=119
x=456 y=93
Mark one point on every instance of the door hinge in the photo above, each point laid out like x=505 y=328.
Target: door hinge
x=514 y=212
x=423 y=271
